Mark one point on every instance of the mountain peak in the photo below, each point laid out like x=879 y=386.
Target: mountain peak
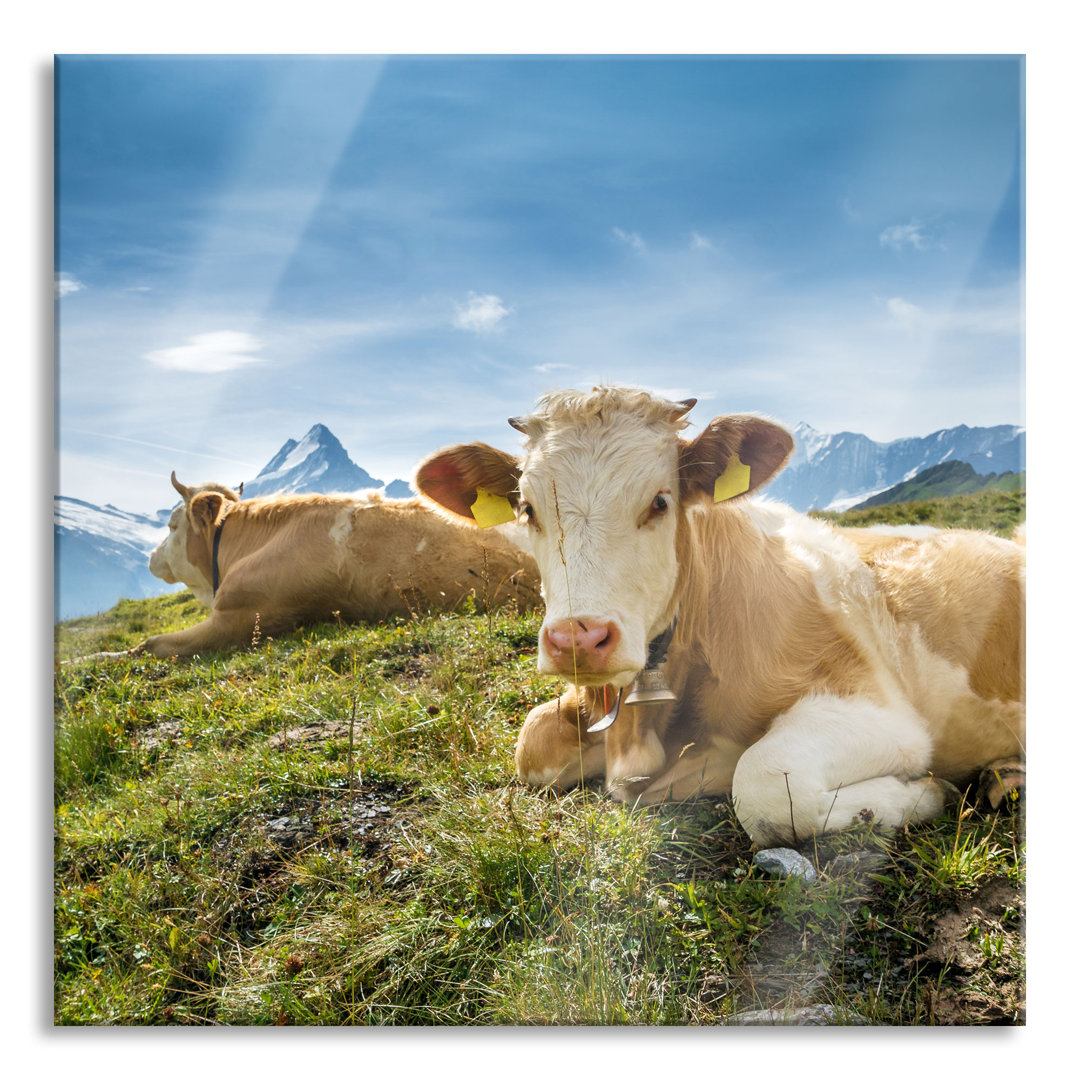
x=317 y=463
x=321 y=435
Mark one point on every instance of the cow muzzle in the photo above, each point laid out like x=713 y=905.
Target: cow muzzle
x=585 y=649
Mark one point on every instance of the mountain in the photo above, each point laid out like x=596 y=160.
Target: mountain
x=834 y=472
x=317 y=463
x=100 y=554
x=948 y=478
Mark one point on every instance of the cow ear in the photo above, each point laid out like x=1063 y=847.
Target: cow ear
x=205 y=508
x=733 y=456
x=457 y=477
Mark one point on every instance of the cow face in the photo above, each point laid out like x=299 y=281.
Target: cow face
x=184 y=554
x=603 y=484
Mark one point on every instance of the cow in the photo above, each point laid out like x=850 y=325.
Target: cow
x=267 y=565
x=816 y=674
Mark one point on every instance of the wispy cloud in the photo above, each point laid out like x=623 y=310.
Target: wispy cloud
x=65 y=284
x=914 y=235
x=905 y=312
x=481 y=314
x=996 y=315
x=209 y=354
x=186 y=451
x=699 y=242
x=547 y=369
x=633 y=239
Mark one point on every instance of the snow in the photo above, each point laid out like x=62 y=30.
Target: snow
x=111 y=524
x=846 y=502
x=301 y=452
x=813 y=441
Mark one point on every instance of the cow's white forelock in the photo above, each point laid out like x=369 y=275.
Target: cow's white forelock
x=591 y=476
x=565 y=410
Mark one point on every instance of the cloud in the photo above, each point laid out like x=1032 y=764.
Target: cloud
x=65 y=284
x=482 y=314
x=912 y=235
x=209 y=354
x=546 y=369
x=698 y=241
x=631 y=238
x=904 y=311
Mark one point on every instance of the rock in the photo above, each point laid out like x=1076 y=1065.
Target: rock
x=785 y=862
x=862 y=861
x=808 y=1016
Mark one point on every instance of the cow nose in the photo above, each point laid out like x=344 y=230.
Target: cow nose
x=588 y=642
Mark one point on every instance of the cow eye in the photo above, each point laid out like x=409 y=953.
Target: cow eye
x=659 y=506
x=527 y=510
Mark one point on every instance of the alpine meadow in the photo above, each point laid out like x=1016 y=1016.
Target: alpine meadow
x=325 y=829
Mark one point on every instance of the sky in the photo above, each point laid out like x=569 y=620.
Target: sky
x=411 y=249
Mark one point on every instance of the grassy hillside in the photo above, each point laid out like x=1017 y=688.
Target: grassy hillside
x=994 y=511
x=944 y=480
x=325 y=829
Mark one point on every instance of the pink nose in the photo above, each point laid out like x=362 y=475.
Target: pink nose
x=583 y=643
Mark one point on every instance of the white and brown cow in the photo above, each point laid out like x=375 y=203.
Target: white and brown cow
x=287 y=560
x=820 y=674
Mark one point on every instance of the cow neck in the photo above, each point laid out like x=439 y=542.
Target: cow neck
x=214 y=574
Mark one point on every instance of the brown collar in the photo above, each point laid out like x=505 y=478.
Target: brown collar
x=214 y=554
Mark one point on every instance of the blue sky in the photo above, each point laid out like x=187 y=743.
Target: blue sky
x=411 y=249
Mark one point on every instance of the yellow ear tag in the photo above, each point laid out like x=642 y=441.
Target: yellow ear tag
x=734 y=480
x=491 y=509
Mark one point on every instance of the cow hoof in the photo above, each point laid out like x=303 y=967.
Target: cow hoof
x=950 y=792
x=1000 y=780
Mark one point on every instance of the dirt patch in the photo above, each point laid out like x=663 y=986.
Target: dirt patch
x=316 y=732
x=163 y=733
x=371 y=813
x=967 y=935
x=980 y=943
x=786 y=969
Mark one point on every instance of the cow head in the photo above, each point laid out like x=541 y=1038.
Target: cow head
x=184 y=555
x=603 y=483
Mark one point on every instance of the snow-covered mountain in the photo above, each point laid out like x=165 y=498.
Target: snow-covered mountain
x=318 y=462
x=835 y=472
x=101 y=554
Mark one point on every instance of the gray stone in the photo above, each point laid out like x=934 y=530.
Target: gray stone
x=785 y=862
x=862 y=861
x=808 y=1016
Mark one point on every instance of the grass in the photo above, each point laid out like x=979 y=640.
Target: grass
x=994 y=511
x=325 y=830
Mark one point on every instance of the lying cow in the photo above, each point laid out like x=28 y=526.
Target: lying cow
x=281 y=561
x=819 y=674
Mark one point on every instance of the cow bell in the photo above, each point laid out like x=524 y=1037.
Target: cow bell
x=649 y=688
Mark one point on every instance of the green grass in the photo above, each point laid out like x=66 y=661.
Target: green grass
x=326 y=830
x=993 y=511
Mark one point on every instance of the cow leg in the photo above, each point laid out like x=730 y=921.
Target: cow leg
x=830 y=761
x=221 y=631
x=636 y=754
x=554 y=749
x=696 y=774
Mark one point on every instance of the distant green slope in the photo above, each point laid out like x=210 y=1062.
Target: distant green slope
x=993 y=511
x=943 y=480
